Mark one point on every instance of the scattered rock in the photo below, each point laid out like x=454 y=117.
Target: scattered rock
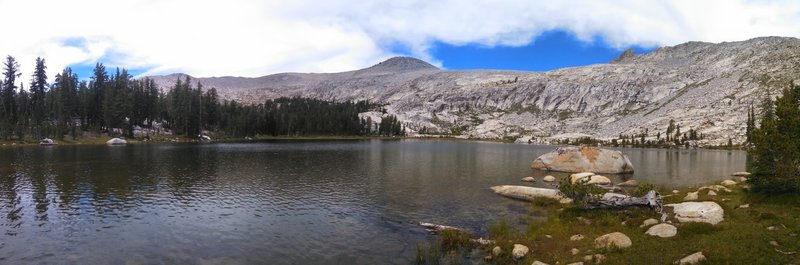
x=742 y=179
x=578 y=176
x=519 y=251
x=574 y=251
x=584 y=220
x=706 y=212
x=529 y=179
x=549 y=178
x=576 y=237
x=599 y=180
x=536 y=262
x=629 y=183
x=662 y=230
x=548 y=236
x=772 y=228
x=588 y=258
x=613 y=240
x=576 y=263
x=46 y=141
x=692 y=259
x=496 y=251
x=774 y=243
x=726 y=199
x=675 y=192
x=728 y=182
x=691 y=196
x=528 y=193
x=487 y=258
x=744 y=206
x=116 y=141
x=599 y=258
x=584 y=158
x=648 y=222
x=740 y=174
x=712 y=193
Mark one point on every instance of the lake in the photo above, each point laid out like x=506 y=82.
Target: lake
x=287 y=202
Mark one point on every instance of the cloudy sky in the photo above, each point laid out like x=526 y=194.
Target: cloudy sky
x=255 y=38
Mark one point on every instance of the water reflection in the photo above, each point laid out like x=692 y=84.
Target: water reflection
x=280 y=203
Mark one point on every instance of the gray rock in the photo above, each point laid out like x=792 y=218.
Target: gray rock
x=705 y=212
x=629 y=183
x=662 y=230
x=116 y=141
x=519 y=251
x=528 y=179
x=691 y=196
x=584 y=159
x=496 y=251
x=712 y=193
x=574 y=251
x=649 y=222
x=740 y=174
x=692 y=259
x=549 y=178
x=613 y=240
x=728 y=182
x=576 y=237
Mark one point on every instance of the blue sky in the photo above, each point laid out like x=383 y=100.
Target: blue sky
x=551 y=50
x=256 y=38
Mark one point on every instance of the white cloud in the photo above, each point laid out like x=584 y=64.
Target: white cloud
x=253 y=38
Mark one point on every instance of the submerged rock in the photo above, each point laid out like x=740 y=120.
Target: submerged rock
x=662 y=230
x=613 y=240
x=704 y=212
x=528 y=179
x=629 y=183
x=528 y=193
x=583 y=159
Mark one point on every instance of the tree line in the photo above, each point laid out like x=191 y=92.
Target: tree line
x=119 y=105
x=774 y=145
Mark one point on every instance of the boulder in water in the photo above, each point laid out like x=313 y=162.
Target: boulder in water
x=116 y=141
x=528 y=193
x=584 y=159
x=47 y=141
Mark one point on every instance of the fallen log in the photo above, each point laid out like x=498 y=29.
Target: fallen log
x=608 y=200
x=615 y=200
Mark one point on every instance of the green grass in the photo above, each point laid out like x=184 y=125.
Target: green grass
x=742 y=238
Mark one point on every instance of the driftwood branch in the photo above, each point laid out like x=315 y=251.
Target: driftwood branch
x=436 y=228
x=613 y=200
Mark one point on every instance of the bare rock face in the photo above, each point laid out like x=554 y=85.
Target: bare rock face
x=702 y=86
x=584 y=159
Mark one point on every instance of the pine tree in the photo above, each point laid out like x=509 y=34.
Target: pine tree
x=775 y=150
x=8 y=110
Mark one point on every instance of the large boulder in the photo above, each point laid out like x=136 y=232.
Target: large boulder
x=704 y=212
x=584 y=159
x=47 y=141
x=528 y=193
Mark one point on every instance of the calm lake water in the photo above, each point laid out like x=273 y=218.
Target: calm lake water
x=323 y=202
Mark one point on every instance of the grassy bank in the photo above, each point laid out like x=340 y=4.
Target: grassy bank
x=766 y=232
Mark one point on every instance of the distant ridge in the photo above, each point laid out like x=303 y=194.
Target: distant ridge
x=702 y=86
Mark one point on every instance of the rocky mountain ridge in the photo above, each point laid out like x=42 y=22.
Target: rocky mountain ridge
x=702 y=86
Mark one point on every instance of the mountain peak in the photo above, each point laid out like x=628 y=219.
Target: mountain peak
x=629 y=53
x=402 y=64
